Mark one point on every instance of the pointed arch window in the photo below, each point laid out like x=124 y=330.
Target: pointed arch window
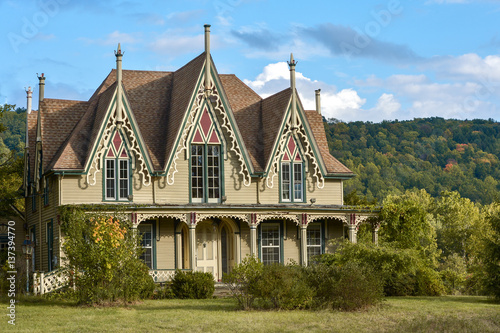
x=292 y=173
x=206 y=161
x=117 y=170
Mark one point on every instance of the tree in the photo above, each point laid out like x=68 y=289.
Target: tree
x=102 y=255
x=408 y=225
x=491 y=257
x=457 y=219
x=11 y=171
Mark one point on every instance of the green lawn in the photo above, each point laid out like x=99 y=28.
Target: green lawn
x=397 y=314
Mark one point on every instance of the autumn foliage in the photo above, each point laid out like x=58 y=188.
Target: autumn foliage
x=102 y=253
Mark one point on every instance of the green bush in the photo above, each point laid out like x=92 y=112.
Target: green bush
x=356 y=288
x=401 y=270
x=102 y=258
x=243 y=281
x=284 y=288
x=194 y=285
x=348 y=287
x=163 y=292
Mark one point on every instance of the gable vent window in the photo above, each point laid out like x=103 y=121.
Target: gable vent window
x=117 y=170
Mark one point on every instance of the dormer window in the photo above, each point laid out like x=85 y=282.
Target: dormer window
x=206 y=162
x=117 y=170
x=292 y=174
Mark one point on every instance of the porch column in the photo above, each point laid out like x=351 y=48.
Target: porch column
x=192 y=246
x=253 y=241
x=303 y=244
x=352 y=233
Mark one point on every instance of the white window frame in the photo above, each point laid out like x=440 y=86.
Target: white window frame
x=116 y=178
x=274 y=246
x=195 y=157
x=121 y=179
x=110 y=179
x=208 y=192
x=149 y=246
x=289 y=185
x=310 y=227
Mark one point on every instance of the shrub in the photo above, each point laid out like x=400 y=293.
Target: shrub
x=243 y=281
x=400 y=269
x=103 y=255
x=322 y=278
x=194 y=285
x=163 y=292
x=284 y=288
x=356 y=287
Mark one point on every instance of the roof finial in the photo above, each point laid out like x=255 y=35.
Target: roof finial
x=29 y=94
x=119 y=54
x=207 y=60
x=292 y=64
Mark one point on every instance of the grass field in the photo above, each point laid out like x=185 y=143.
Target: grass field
x=401 y=314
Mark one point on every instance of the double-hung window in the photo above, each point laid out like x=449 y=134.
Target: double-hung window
x=117 y=170
x=146 y=233
x=292 y=175
x=270 y=243
x=314 y=243
x=205 y=173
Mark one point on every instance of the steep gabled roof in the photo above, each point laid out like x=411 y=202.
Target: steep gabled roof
x=333 y=166
x=247 y=108
x=184 y=83
x=273 y=110
x=158 y=104
x=59 y=118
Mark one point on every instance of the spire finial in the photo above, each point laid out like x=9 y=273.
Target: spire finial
x=118 y=51
x=119 y=117
x=207 y=60
x=293 y=116
x=292 y=62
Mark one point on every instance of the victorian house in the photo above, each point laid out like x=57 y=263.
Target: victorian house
x=206 y=170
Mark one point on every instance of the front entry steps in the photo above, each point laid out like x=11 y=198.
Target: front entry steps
x=221 y=290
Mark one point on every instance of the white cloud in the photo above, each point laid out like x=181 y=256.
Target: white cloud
x=387 y=105
x=174 y=42
x=114 y=38
x=335 y=104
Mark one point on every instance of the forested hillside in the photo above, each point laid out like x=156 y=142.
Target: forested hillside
x=430 y=153
x=389 y=157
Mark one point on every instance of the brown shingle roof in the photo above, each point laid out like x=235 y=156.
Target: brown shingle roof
x=184 y=83
x=159 y=102
x=332 y=164
x=247 y=108
x=59 y=118
x=273 y=111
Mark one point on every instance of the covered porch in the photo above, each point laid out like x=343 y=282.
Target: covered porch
x=215 y=241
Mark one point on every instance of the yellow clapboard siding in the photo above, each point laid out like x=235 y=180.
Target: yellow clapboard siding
x=165 y=246
x=291 y=243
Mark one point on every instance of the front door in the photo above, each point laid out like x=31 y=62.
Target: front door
x=206 y=242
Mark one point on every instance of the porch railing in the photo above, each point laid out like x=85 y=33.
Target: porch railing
x=47 y=282
x=163 y=275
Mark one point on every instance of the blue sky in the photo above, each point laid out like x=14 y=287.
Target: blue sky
x=373 y=60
